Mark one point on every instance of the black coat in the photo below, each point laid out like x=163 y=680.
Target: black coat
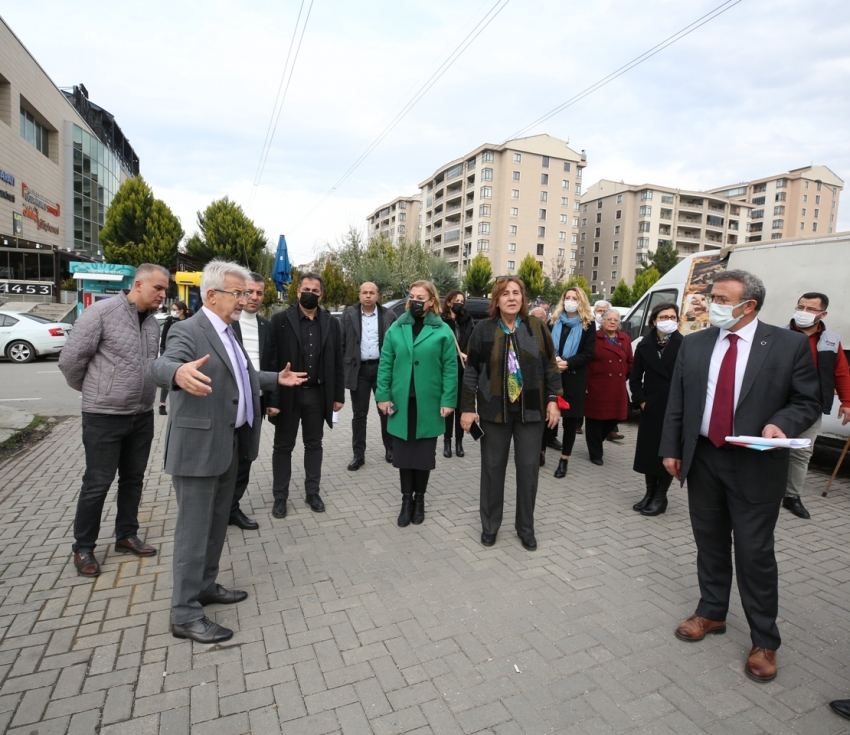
x=574 y=378
x=461 y=327
x=650 y=383
x=287 y=331
x=268 y=357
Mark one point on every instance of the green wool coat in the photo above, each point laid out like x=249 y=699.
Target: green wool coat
x=431 y=362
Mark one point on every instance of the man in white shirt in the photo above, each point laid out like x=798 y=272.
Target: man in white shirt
x=256 y=335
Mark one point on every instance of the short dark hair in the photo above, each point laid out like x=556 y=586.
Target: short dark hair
x=653 y=315
x=824 y=299
x=753 y=288
x=256 y=277
x=313 y=276
x=501 y=284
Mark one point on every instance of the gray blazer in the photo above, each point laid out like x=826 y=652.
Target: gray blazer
x=780 y=387
x=199 y=437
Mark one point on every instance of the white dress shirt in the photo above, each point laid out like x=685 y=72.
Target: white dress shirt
x=220 y=327
x=745 y=342
x=251 y=337
x=369 y=341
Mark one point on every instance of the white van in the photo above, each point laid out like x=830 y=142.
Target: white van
x=789 y=268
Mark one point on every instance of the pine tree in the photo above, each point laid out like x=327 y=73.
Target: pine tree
x=532 y=276
x=336 y=289
x=622 y=295
x=643 y=282
x=479 y=276
x=663 y=259
x=227 y=233
x=443 y=275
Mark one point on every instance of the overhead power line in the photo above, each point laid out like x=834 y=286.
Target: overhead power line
x=479 y=27
x=669 y=41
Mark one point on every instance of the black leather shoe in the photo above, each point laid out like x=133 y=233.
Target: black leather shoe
x=135 y=545
x=529 y=544
x=447 y=448
x=86 y=564
x=841 y=707
x=459 y=448
x=488 y=539
x=388 y=455
x=162 y=411
x=356 y=463
x=279 y=510
x=202 y=631
x=223 y=596
x=315 y=503
x=563 y=464
x=596 y=461
x=543 y=458
x=555 y=444
x=242 y=521
x=795 y=505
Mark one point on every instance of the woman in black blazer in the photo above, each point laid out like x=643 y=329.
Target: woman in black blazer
x=655 y=358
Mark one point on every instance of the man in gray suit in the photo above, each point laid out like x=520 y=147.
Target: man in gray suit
x=214 y=419
x=741 y=378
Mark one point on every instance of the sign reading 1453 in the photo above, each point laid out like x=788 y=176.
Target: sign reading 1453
x=21 y=288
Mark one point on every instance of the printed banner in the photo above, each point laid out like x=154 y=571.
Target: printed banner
x=704 y=269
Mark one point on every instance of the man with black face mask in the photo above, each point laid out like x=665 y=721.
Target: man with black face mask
x=307 y=336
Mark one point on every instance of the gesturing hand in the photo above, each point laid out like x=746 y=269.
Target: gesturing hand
x=192 y=380
x=287 y=377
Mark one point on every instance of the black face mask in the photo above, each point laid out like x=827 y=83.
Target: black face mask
x=308 y=300
x=417 y=308
x=457 y=308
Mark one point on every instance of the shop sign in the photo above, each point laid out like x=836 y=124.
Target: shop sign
x=22 y=288
x=8 y=178
x=7 y=196
x=33 y=197
x=17 y=224
x=42 y=224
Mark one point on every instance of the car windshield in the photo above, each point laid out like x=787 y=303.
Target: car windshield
x=33 y=317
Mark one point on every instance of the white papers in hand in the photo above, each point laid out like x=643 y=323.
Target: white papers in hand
x=759 y=442
x=336 y=417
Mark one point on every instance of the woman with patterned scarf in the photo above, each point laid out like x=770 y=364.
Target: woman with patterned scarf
x=511 y=384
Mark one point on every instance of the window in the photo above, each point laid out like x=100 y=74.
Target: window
x=583 y=236
x=515 y=176
x=511 y=266
x=758 y=200
x=646 y=210
x=541 y=214
x=576 y=205
x=486 y=192
x=483 y=228
x=541 y=232
x=565 y=202
x=613 y=275
x=578 y=188
x=616 y=229
x=575 y=221
x=643 y=243
x=544 y=179
x=814 y=226
x=619 y=198
x=618 y=214
x=514 y=211
x=584 y=221
x=596 y=247
x=781 y=183
x=567 y=166
x=778 y=224
x=820 y=185
x=544 y=197
x=595 y=261
x=34 y=132
x=517 y=157
x=646 y=195
x=402 y=217
x=483 y=245
x=803 y=211
x=817 y=199
x=805 y=198
x=511 y=247
x=544 y=161
x=817 y=212
x=486 y=174
x=779 y=210
x=666 y=198
x=596 y=232
x=574 y=238
x=540 y=248
x=562 y=253
x=578 y=173
x=759 y=188
x=780 y=197
x=805 y=184
x=487 y=157
x=565 y=184
x=582 y=251
x=802 y=225
x=563 y=219
x=615 y=259
x=470 y=163
x=598 y=217
x=643 y=226
x=514 y=193
x=756 y=213
x=616 y=244
x=581 y=264
x=594 y=276
x=512 y=230
x=484 y=210
x=562 y=237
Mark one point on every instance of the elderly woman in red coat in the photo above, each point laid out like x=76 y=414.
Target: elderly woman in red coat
x=607 y=401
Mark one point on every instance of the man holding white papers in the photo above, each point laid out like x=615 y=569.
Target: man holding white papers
x=833 y=377
x=740 y=378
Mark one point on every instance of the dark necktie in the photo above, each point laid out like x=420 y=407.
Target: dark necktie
x=243 y=376
x=722 y=422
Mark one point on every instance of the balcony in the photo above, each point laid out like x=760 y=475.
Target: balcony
x=712 y=220
x=664 y=230
x=454 y=172
x=452 y=235
x=690 y=219
x=688 y=234
x=691 y=203
x=717 y=207
x=666 y=214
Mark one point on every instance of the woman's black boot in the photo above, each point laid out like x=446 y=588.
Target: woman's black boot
x=563 y=464
x=459 y=447
x=406 y=509
x=418 y=509
x=447 y=448
x=658 y=504
x=651 y=482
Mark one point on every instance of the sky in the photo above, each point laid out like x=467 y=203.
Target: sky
x=760 y=90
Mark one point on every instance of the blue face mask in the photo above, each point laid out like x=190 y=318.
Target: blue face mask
x=720 y=315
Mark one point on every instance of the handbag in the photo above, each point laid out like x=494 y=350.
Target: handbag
x=459 y=353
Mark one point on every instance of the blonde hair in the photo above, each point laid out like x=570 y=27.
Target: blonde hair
x=432 y=293
x=584 y=309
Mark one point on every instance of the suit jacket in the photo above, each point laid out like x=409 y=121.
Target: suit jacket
x=286 y=327
x=351 y=326
x=268 y=356
x=780 y=387
x=199 y=436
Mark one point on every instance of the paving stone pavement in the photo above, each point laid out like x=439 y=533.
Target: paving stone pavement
x=354 y=625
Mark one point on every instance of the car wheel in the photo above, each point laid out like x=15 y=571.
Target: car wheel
x=20 y=351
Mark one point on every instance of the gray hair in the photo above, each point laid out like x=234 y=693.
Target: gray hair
x=753 y=287
x=602 y=302
x=212 y=278
x=610 y=311
x=148 y=269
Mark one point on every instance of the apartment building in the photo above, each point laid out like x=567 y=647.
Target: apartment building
x=790 y=205
x=505 y=201
x=620 y=224
x=397 y=220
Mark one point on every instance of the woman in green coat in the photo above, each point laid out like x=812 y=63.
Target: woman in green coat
x=417 y=389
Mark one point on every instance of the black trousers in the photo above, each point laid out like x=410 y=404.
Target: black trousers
x=367 y=384
x=495 y=447
x=309 y=413
x=595 y=432
x=243 y=476
x=720 y=513
x=570 y=426
x=113 y=444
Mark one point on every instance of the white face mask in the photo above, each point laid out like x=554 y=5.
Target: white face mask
x=174 y=313
x=804 y=319
x=598 y=318
x=571 y=307
x=667 y=327
x=720 y=315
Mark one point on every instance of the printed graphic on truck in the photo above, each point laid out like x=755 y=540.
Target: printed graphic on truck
x=694 y=313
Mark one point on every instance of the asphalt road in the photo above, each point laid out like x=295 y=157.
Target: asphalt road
x=38 y=388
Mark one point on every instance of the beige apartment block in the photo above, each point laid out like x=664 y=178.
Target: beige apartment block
x=802 y=202
x=397 y=220
x=506 y=201
x=620 y=224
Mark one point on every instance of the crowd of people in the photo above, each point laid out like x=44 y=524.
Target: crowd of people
x=513 y=378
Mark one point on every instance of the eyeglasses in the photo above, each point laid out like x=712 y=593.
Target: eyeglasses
x=666 y=318
x=810 y=309
x=722 y=300
x=238 y=295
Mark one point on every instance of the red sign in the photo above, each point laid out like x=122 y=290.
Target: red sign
x=33 y=197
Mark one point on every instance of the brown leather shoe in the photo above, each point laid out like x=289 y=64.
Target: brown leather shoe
x=86 y=564
x=761 y=664
x=134 y=545
x=696 y=628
